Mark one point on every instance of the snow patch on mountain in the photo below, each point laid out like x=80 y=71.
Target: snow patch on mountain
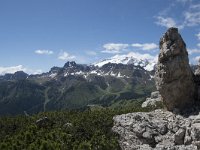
x=53 y=75
x=144 y=60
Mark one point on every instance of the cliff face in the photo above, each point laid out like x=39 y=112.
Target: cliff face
x=174 y=78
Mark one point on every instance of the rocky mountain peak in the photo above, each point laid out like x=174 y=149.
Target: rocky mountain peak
x=54 y=69
x=20 y=74
x=70 y=64
x=172 y=34
x=16 y=76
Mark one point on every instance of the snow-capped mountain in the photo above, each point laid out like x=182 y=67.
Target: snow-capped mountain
x=118 y=66
x=144 y=60
x=75 y=86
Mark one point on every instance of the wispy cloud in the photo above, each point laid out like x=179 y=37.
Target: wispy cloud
x=13 y=69
x=66 y=56
x=192 y=18
x=184 y=1
x=91 y=53
x=189 y=17
x=44 y=52
x=145 y=46
x=193 y=51
x=31 y=71
x=196 y=59
x=198 y=36
x=137 y=55
x=166 y=22
x=114 y=48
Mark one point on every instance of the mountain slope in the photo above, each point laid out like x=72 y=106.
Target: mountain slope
x=19 y=96
x=74 y=86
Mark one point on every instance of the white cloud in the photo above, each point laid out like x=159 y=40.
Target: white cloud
x=192 y=18
x=31 y=71
x=196 y=59
x=13 y=69
x=195 y=6
x=184 y=1
x=198 y=36
x=145 y=46
x=44 y=52
x=192 y=15
x=193 y=51
x=114 y=48
x=188 y=17
x=65 y=56
x=167 y=22
x=91 y=53
x=142 y=56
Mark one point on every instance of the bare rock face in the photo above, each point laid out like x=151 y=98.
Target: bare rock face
x=174 y=78
x=153 y=100
x=157 y=130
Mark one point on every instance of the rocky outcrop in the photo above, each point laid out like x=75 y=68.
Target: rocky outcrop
x=44 y=122
x=197 y=81
x=179 y=89
x=174 y=78
x=157 y=130
x=153 y=100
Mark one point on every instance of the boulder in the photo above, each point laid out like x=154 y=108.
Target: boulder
x=174 y=77
x=179 y=136
x=44 y=122
x=153 y=100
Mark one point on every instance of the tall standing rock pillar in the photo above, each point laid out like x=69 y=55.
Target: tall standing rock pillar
x=174 y=78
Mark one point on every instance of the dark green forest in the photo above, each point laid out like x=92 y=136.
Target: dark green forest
x=65 y=130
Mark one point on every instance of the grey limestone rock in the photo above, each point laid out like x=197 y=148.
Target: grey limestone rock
x=174 y=77
x=178 y=89
x=153 y=100
x=157 y=130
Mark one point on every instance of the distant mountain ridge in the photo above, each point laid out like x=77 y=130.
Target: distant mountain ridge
x=74 y=86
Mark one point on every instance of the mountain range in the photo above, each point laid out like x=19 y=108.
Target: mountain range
x=77 y=86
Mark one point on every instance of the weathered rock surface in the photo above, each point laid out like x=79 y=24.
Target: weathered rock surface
x=197 y=81
x=153 y=100
x=174 y=78
x=197 y=71
x=157 y=130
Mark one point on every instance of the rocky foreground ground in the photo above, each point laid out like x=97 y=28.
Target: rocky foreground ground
x=158 y=130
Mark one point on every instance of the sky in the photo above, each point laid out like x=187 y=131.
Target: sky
x=36 y=35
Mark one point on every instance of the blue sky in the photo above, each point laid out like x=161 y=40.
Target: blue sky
x=38 y=34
